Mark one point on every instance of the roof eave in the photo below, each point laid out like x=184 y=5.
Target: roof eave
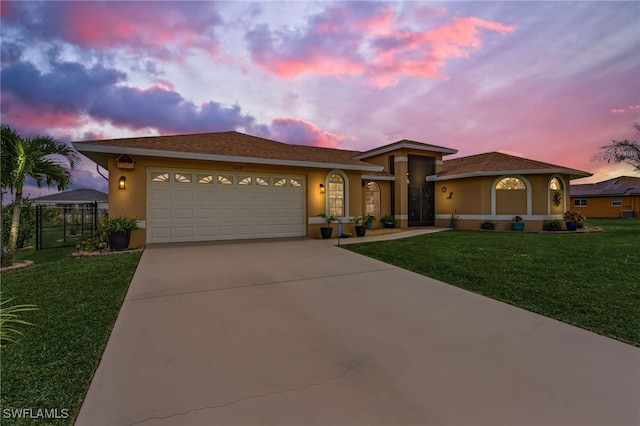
x=103 y=149
x=573 y=174
x=405 y=145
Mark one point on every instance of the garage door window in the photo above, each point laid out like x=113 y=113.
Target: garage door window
x=183 y=178
x=159 y=177
x=205 y=179
x=244 y=180
x=280 y=182
x=262 y=181
x=296 y=182
x=225 y=180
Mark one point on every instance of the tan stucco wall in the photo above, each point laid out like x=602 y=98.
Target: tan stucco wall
x=601 y=206
x=132 y=201
x=472 y=197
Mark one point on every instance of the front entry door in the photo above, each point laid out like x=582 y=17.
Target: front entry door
x=421 y=193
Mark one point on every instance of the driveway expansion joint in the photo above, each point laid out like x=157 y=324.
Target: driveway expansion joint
x=252 y=285
x=264 y=395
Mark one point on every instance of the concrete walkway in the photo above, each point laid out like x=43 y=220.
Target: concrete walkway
x=300 y=332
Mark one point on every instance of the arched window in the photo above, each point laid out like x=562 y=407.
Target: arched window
x=336 y=195
x=509 y=183
x=555 y=184
x=372 y=199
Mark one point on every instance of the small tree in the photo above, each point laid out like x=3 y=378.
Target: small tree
x=27 y=228
x=622 y=151
x=38 y=158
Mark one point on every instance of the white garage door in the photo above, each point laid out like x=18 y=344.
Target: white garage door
x=198 y=205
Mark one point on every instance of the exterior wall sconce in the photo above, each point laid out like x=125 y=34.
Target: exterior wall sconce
x=322 y=188
x=122 y=182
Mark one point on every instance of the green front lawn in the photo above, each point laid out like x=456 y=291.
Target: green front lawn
x=51 y=365
x=591 y=280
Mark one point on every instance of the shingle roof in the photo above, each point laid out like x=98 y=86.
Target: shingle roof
x=229 y=144
x=83 y=195
x=619 y=186
x=497 y=163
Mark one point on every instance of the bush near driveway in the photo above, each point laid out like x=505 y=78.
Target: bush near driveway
x=51 y=364
x=591 y=280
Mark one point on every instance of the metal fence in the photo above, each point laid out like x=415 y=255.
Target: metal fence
x=68 y=224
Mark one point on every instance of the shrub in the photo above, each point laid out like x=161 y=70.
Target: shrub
x=487 y=224
x=119 y=224
x=573 y=216
x=27 y=229
x=552 y=225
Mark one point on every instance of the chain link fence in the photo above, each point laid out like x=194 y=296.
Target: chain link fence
x=68 y=224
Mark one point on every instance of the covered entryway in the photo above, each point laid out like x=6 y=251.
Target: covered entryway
x=205 y=205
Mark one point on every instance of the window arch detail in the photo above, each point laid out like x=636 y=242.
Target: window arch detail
x=509 y=183
x=337 y=194
x=511 y=180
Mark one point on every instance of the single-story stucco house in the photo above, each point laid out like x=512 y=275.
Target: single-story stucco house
x=229 y=185
x=617 y=197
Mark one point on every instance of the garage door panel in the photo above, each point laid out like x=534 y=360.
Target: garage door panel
x=206 y=205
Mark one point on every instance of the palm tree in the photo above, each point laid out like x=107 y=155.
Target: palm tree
x=40 y=158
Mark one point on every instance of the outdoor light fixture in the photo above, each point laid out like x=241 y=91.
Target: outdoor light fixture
x=322 y=188
x=122 y=183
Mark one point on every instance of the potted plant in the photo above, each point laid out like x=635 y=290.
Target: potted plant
x=118 y=230
x=517 y=224
x=573 y=220
x=326 y=231
x=453 y=219
x=388 y=221
x=369 y=222
x=361 y=228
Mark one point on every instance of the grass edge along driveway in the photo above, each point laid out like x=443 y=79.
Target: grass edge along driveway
x=52 y=363
x=590 y=280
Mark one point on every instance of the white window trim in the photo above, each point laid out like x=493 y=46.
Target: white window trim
x=580 y=205
x=379 y=203
x=346 y=193
x=616 y=205
x=527 y=185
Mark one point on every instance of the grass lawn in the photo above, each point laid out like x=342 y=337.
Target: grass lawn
x=591 y=280
x=51 y=364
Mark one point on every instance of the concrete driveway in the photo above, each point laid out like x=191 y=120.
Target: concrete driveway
x=300 y=332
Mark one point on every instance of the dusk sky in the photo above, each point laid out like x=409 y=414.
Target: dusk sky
x=552 y=81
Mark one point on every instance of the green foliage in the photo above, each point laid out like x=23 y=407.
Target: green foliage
x=118 y=224
x=487 y=224
x=573 y=216
x=388 y=219
x=10 y=318
x=27 y=230
x=51 y=365
x=572 y=277
x=329 y=218
x=361 y=220
x=517 y=219
x=552 y=225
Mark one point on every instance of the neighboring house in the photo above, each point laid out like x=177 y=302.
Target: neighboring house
x=74 y=196
x=229 y=185
x=617 y=197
